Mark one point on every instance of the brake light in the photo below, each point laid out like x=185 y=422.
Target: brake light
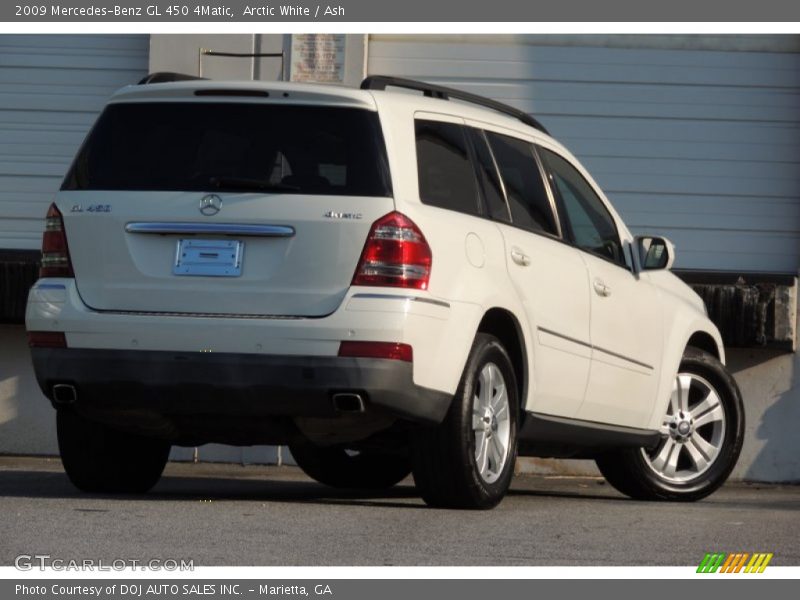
x=390 y=350
x=55 y=253
x=396 y=254
x=47 y=339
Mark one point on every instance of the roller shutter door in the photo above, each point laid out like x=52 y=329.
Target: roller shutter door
x=51 y=89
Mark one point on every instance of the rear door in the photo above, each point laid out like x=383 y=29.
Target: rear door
x=550 y=277
x=627 y=323
x=224 y=207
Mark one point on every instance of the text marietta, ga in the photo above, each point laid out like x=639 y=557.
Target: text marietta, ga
x=138 y=590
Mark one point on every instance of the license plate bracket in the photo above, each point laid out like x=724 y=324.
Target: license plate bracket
x=208 y=258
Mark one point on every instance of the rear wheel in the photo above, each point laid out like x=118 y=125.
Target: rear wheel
x=702 y=433
x=100 y=459
x=468 y=460
x=340 y=468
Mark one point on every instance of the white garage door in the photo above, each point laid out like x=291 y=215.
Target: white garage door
x=702 y=146
x=51 y=89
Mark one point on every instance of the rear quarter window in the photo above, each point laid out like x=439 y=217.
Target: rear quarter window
x=444 y=168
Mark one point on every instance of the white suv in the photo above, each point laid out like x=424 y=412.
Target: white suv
x=390 y=282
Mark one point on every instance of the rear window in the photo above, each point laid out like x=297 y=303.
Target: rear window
x=180 y=146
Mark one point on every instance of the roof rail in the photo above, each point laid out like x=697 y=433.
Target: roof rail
x=381 y=82
x=166 y=77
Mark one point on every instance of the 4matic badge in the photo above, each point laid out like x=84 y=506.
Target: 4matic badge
x=332 y=214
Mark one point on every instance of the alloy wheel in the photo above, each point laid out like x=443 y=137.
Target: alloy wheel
x=693 y=431
x=491 y=422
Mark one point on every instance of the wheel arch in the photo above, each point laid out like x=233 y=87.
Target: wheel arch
x=502 y=324
x=686 y=330
x=705 y=341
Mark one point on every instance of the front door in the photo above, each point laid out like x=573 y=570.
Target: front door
x=626 y=322
x=626 y=332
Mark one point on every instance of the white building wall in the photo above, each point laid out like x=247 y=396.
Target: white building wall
x=27 y=421
x=770 y=384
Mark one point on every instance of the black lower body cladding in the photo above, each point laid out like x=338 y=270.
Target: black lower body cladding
x=208 y=391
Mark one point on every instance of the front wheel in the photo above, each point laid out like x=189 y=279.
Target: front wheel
x=468 y=460
x=702 y=433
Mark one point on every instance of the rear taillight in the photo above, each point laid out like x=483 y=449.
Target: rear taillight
x=390 y=350
x=396 y=254
x=55 y=253
x=47 y=339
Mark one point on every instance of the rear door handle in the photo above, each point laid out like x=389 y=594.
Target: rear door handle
x=519 y=257
x=601 y=288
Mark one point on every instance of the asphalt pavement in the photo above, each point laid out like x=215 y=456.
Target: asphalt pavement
x=223 y=514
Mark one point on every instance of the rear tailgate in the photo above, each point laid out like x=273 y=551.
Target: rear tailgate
x=223 y=207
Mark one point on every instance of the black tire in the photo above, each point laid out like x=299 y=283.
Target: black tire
x=629 y=471
x=100 y=459
x=445 y=468
x=338 y=468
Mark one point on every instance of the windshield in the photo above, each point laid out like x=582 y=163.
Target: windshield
x=182 y=146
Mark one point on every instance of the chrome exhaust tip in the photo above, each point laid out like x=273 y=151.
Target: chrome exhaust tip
x=348 y=402
x=64 y=393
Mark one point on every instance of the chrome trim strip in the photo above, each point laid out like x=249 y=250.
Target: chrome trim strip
x=603 y=350
x=625 y=358
x=411 y=298
x=432 y=301
x=163 y=228
x=548 y=184
x=497 y=173
x=564 y=337
x=622 y=357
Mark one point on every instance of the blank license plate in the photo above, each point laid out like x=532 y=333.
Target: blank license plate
x=209 y=258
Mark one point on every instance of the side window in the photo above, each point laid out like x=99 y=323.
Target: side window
x=527 y=196
x=593 y=228
x=489 y=178
x=446 y=175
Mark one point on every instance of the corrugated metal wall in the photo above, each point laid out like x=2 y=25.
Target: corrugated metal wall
x=51 y=89
x=700 y=145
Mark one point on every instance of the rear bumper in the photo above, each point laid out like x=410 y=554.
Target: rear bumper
x=166 y=384
x=440 y=332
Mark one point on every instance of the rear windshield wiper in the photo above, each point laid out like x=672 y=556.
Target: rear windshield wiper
x=245 y=183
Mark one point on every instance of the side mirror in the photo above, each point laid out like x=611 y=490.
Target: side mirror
x=655 y=253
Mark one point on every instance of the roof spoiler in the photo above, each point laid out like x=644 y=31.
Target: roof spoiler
x=381 y=82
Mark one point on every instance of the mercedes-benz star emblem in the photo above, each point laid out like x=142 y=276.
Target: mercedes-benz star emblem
x=210 y=205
